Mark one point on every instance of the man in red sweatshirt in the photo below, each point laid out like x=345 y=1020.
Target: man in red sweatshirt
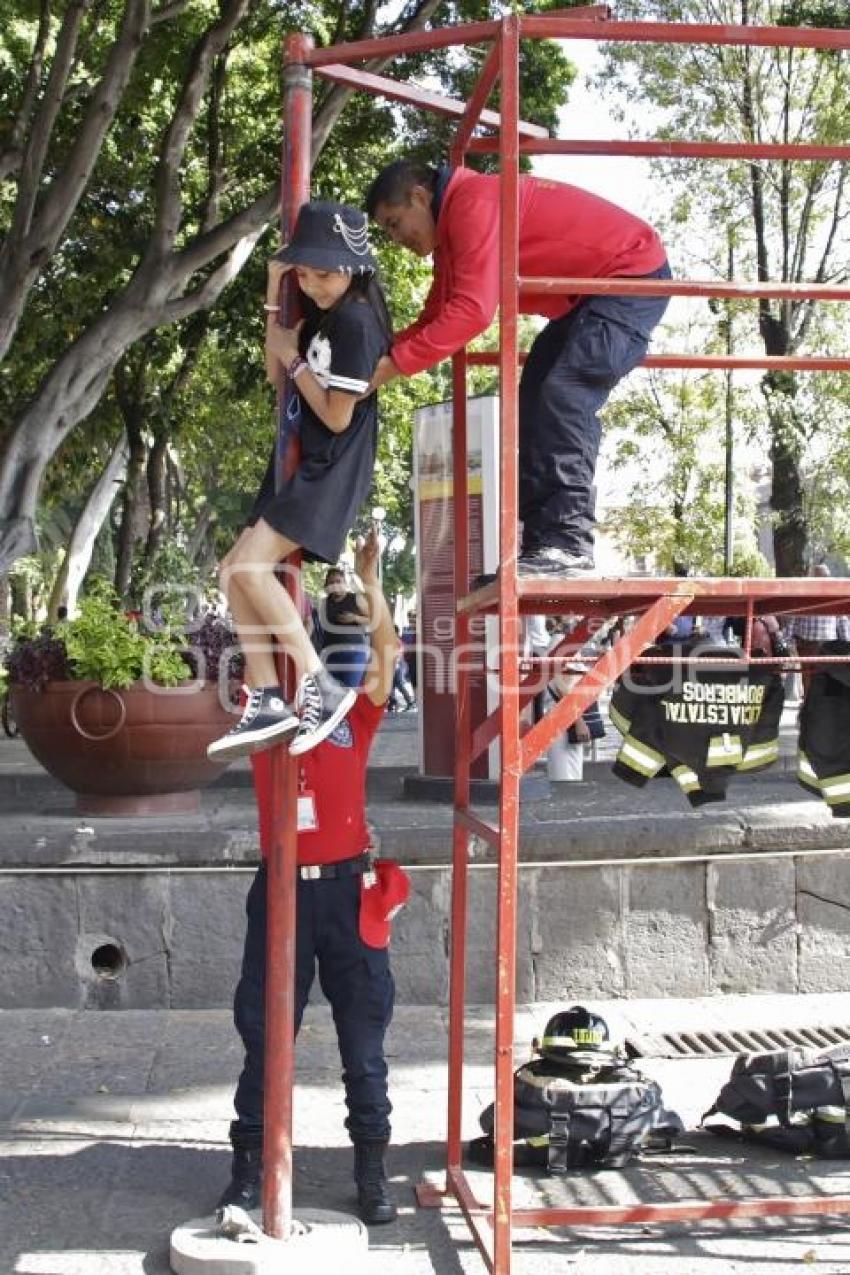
x=589 y=344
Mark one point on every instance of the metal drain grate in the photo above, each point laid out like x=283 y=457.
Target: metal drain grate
x=716 y=1043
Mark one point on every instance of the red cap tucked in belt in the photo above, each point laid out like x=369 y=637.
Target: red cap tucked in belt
x=380 y=901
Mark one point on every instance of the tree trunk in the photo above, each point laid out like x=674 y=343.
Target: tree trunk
x=42 y=211
x=157 y=496
x=164 y=289
x=787 y=442
x=5 y=606
x=790 y=530
x=77 y=381
x=198 y=546
x=78 y=554
x=127 y=531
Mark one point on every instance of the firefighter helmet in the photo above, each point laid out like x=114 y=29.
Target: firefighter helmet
x=574 y=1030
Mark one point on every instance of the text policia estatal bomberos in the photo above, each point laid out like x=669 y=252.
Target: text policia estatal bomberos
x=715 y=704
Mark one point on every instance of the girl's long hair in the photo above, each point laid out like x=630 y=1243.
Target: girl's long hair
x=363 y=287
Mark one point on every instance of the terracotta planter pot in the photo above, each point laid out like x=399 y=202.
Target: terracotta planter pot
x=138 y=751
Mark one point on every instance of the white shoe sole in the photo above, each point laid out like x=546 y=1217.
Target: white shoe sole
x=226 y=749
x=307 y=742
x=555 y=573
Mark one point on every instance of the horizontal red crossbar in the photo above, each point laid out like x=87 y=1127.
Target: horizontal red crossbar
x=673 y=1211
x=669 y=150
x=684 y=1211
x=706 y=596
x=387 y=46
x=547 y=27
x=719 y=362
x=554 y=27
x=685 y=288
x=712 y=362
x=413 y=95
x=802 y=590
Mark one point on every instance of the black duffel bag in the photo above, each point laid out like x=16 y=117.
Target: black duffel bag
x=794 y=1099
x=566 y=1118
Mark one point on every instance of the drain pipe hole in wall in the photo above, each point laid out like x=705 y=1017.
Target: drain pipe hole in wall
x=109 y=961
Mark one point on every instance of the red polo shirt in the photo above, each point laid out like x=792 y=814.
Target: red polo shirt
x=335 y=774
x=564 y=232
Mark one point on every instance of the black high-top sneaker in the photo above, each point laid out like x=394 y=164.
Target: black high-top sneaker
x=245 y=1181
x=374 y=1202
x=322 y=703
x=266 y=720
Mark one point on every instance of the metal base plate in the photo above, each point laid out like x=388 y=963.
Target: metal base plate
x=321 y=1241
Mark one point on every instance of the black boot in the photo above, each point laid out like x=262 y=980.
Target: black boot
x=247 y=1175
x=373 y=1196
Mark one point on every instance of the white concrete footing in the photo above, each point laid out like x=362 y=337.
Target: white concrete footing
x=321 y=1240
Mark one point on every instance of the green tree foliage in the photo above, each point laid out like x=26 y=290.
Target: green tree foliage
x=170 y=195
x=786 y=219
x=668 y=446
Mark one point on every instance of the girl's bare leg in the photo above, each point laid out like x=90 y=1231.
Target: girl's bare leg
x=262 y=609
x=252 y=635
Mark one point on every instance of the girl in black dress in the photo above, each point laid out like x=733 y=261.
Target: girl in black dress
x=329 y=359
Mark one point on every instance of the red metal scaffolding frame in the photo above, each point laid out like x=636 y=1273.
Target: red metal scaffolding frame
x=656 y=601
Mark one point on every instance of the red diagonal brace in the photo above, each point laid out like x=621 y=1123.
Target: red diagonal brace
x=413 y=95
x=604 y=672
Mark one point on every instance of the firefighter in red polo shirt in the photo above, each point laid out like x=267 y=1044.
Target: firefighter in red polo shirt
x=589 y=344
x=343 y=910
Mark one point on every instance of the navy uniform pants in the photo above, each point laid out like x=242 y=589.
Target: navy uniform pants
x=356 y=980
x=572 y=367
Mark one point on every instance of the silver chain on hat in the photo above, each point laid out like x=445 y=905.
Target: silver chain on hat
x=356 y=237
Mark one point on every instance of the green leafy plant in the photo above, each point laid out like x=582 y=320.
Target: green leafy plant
x=104 y=644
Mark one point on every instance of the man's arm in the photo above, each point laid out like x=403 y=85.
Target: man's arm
x=379 y=674
x=470 y=258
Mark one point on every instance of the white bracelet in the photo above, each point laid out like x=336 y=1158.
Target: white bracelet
x=271 y=307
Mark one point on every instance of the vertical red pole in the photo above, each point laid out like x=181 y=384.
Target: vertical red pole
x=748 y=631
x=509 y=650
x=280 y=884
x=463 y=750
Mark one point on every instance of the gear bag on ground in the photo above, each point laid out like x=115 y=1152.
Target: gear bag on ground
x=580 y=1105
x=797 y=1100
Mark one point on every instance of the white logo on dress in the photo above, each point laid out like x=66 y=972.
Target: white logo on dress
x=319 y=358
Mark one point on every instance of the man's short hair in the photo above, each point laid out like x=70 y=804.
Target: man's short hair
x=394 y=184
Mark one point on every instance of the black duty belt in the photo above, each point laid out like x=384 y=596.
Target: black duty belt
x=329 y=871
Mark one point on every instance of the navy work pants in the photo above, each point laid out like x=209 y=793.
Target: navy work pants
x=572 y=367
x=356 y=980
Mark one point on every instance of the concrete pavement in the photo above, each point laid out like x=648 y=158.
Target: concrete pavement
x=113 y=1130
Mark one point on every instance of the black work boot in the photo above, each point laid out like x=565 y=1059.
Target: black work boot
x=246 y=1177
x=373 y=1196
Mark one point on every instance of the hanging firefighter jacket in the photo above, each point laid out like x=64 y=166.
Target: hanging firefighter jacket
x=702 y=722
x=824 y=756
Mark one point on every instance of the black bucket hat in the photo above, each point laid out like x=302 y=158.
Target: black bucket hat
x=330 y=236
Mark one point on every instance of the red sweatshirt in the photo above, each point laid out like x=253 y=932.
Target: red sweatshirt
x=564 y=232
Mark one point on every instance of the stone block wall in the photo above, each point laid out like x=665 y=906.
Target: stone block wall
x=152 y=938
